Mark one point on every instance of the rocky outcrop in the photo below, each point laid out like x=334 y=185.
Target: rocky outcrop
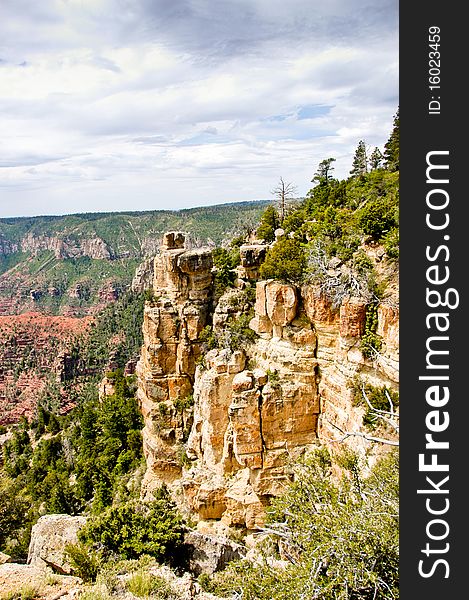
x=342 y=362
x=49 y=538
x=150 y=246
x=258 y=405
x=144 y=274
x=172 y=325
x=19 y=581
x=106 y=387
x=209 y=553
x=251 y=257
x=109 y=292
x=276 y=306
x=67 y=248
x=249 y=421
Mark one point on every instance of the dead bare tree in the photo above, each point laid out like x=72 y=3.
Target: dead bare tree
x=338 y=285
x=283 y=192
x=390 y=417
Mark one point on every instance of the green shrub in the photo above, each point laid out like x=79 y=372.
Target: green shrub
x=238 y=331
x=377 y=397
x=371 y=342
x=362 y=263
x=285 y=261
x=27 y=591
x=182 y=404
x=85 y=561
x=151 y=297
x=135 y=528
x=377 y=218
x=97 y=592
x=205 y=582
x=207 y=337
x=269 y=222
x=184 y=460
x=108 y=574
x=225 y=262
x=163 y=409
x=14 y=510
x=338 y=548
x=391 y=243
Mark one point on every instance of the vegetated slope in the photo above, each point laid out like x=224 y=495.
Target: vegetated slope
x=70 y=264
x=47 y=361
x=33 y=356
x=63 y=463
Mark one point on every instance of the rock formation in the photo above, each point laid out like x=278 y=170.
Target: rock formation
x=208 y=553
x=19 y=581
x=143 y=278
x=256 y=406
x=49 y=537
x=67 y=248
x=6 y=246
x=252 y=256
x=172 y=324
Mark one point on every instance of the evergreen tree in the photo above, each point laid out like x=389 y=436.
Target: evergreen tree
x=360 y=161
x=14 y=505
x=323 y=174
x=391 y=148
x=376 y=159
x=268 y=224
x=134 y=528
x=286 y=261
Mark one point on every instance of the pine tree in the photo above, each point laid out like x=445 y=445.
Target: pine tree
x=391 y=148
x=322 y=175
x=360 y=162
x=376 y=159
x=268 y=224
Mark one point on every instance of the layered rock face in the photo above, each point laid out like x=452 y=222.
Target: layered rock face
x=257 y=405
x=43 y=344
x=255 y=409
x=342 y=363
x=64 y=248
x=172 y=324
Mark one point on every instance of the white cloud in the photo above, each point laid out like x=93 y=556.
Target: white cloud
x=116 y=105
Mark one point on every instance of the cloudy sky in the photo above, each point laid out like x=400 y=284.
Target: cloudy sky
x=148 y=104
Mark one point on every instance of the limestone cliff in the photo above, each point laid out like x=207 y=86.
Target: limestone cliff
x=172 y=325
x=67 y=248
x=222 y=426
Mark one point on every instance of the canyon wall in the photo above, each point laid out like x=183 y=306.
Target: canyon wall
x=222 y=426
x=34 y=360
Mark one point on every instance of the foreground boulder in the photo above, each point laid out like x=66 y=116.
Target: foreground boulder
x=209 y=553
x=17 y=581
x=49 y=537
